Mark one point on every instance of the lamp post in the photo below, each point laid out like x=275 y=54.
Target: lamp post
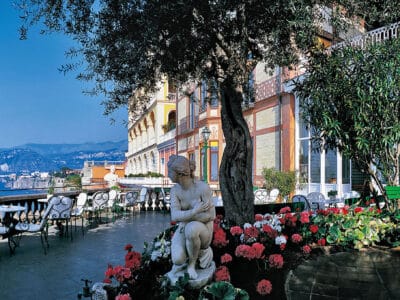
x=206 y=135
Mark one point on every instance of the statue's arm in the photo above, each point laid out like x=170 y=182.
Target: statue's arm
x=208 y=215
x=179 y=215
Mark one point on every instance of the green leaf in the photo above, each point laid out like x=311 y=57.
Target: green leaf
x=221 y=290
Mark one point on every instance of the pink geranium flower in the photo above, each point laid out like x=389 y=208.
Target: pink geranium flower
x=296 y=238
x=123 y=297
x=264 y=287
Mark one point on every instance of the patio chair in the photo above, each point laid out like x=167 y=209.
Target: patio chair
x=273 y=195
x=351 y=198
x=61 y=211
x=261 y=196
x=79 y=209
x=99 y=204
x=129 y=200
x=166 y=198
x=22 y=227
x=143 y=199
x=301 y=199
x=317 y=200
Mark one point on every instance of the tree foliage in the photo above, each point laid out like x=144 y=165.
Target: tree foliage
x=131 y=44
x=351 y=98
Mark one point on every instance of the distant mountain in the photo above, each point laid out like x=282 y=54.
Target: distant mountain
x=52 y=157
x=46 y=149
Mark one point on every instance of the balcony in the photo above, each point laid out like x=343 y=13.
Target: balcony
x=371 y=37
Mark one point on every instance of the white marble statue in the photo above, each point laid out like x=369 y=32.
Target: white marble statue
x=193 y=209
x=111 y=177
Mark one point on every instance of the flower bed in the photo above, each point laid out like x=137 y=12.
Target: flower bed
x=253 y=260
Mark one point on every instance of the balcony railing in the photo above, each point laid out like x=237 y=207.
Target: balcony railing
x=371 y=37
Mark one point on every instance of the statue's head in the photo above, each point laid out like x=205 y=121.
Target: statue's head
x=181 y=166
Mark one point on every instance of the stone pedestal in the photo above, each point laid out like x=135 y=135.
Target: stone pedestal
x=203 y=278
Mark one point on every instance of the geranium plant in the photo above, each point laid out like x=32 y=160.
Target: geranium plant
x=253 y=259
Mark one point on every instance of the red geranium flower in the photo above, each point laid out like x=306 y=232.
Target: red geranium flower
x=296 y=238
x=236 y=230
x=258 y=250
x=275 y=261
x=226 y=258
x=251 y=232
x=258 y=217
x=264 y=287
x=222 y=274
x=220 y=238
x=123 y=297
x=284 y=210
x=321 y=242
x=306 y=249
x=245 y=251
x=314 y=228
x=272 y=233
x=304 y=217
x=358 y=210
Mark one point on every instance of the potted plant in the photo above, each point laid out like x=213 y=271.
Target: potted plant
x=332 y=194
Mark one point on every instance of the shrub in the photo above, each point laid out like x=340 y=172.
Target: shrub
x=284 y=181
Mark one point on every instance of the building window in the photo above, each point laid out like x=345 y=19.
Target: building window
x=214 y=94
x=191 y=156
x=192 y=103
x=214 y=161
x=202 y=162
x=203 y=95
x=248 y=91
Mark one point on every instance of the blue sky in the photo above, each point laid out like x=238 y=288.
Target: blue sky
x=38 y=104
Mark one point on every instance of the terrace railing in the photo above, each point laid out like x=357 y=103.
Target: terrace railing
x=378 y=35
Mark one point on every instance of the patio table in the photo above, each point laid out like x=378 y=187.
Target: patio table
x=6 y=214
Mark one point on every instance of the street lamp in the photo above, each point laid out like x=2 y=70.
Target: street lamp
x=206 y=135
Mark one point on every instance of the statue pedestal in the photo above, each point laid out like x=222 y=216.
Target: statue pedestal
x=204 y=276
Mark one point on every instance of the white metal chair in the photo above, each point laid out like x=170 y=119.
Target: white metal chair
x=260 y=196
x=273 y=195
x=302 y=199
x=99 y=204
x=112 y=198
x=79 y=209
x=143 y=199
x=129 y=200
x=166 y=198
x=61 y=211
x=22 y=227
x=316 y=199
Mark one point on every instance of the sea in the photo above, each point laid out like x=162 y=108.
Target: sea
x=4 y=191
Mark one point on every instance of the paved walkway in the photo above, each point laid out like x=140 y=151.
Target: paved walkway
x=29 y=274
x=371 y=274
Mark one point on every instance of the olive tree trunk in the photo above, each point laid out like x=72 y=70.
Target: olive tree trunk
x=236 y=165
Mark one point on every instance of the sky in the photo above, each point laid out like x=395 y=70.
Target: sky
x=39 y=104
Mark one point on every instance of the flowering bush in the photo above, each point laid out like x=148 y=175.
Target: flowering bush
x=253 y=260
